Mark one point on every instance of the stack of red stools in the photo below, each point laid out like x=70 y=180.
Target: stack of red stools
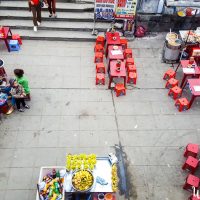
x=99 y=60
x=192 y=181
x=175 y=91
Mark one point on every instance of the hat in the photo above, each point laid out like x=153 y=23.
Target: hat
x=11 y=81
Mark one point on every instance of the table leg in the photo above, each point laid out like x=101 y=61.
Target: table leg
x=125 y=82
x=177 y=67
x=192 y=100
x=183 y=80
x=6 y=42
x=110 y=81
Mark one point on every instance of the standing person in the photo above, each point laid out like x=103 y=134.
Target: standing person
x=19 y=73
x=52 y=8
x=35 y=7
x=17 y=92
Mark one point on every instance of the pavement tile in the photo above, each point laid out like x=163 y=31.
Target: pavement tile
x=17 y=194
x=8 y=139
x=6 y=156
x=4 y=175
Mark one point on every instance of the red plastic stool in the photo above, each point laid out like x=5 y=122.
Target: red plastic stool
x=2 y=72
x=98 y=57
x=132 y=77
x=17 y=37
x=172 y=82
x=99 y=48
x=194 y=198
x=170 y=73
x=128 y=53
x=100 y=40
x=190 y=181
x=175 y=92
x=191 y=164
x=182 y=104
x=124 y=43
x=100 y=68
x=100 y=79
x=120 y=89
x=131 y=68
x=129 y=61
x=191 y=150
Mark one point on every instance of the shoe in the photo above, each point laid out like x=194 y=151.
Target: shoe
x=21 y=110
x=54 y=15
x=39 y=23
x=50 y=15
x=35 y=28
x=27 y=107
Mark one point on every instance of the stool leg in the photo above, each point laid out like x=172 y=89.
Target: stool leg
x=184 y=166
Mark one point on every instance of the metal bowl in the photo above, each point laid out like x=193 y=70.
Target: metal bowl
x=78 y=189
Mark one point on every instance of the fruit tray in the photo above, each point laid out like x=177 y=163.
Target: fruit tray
x=102 y=169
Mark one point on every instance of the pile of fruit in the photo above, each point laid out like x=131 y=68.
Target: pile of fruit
x=114 y=178
x=82 y=180
x=81 y=161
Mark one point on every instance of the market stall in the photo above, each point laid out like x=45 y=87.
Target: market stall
x=83 y=177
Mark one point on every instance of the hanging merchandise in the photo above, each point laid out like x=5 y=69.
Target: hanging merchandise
x=104 y=9
x=129 y=27
x=125 y=9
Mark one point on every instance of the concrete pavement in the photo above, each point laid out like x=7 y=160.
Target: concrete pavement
x=70 y=114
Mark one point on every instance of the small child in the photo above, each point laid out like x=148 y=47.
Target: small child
x=19 y=73
x=18 y=93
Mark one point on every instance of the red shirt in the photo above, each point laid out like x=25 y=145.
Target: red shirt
x=35 y=2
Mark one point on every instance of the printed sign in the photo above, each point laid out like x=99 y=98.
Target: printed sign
x=104 y=9
x=125 y=9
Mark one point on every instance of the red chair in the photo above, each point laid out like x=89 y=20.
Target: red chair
x=128 y=53
x=190 y=181
x=120 y=89
x=182 y=104
x=191 y=164
x=194 y=196
x=191 y=150
x=100 y=40
x=129 y=61
x=100 y=79
x=132 y=78
x=131 y=68
x=98 y=57
x=170 y=73
x=17 y=37
x=124 y=43
x=172 y=82
x=175 y=92
x=100 y=68
x=98 y=48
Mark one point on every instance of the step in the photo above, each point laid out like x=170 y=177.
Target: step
x=60 y=6
x=55 y=35
x=62 y=16
x=56 y=25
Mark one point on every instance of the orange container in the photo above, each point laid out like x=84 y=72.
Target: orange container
x=108 y=196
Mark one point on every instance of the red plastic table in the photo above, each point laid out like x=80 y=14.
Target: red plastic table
x=113 y=56
x=111 y=41
x=192 y=85
x=115 y=74
x=5 y=36
x=188 y=71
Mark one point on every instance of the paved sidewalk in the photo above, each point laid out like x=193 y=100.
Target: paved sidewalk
x=70 y=114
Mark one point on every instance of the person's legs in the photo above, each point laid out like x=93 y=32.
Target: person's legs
x=54 y=6
x=49 y=6
x=23 y=102
x=39 y=18
x=17 y=101
x=33 y=9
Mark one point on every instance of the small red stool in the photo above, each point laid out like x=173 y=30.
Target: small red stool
x=191 y=164
x=128 y=53
x=190 y=181
x=172 y=82
x=98 y=57
x=120 y=89
x=100 y=40
x=191 y=150
x=124 y=43
x=129 y=61
x=2 y=72
x=175 y=92
x=17 y=37
x=170 y=73
x=98 y=48
x=100 y=79
x=131 y=68
x=100 y=68
x=194 y=198
x=132 y=77
x=182 y=104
